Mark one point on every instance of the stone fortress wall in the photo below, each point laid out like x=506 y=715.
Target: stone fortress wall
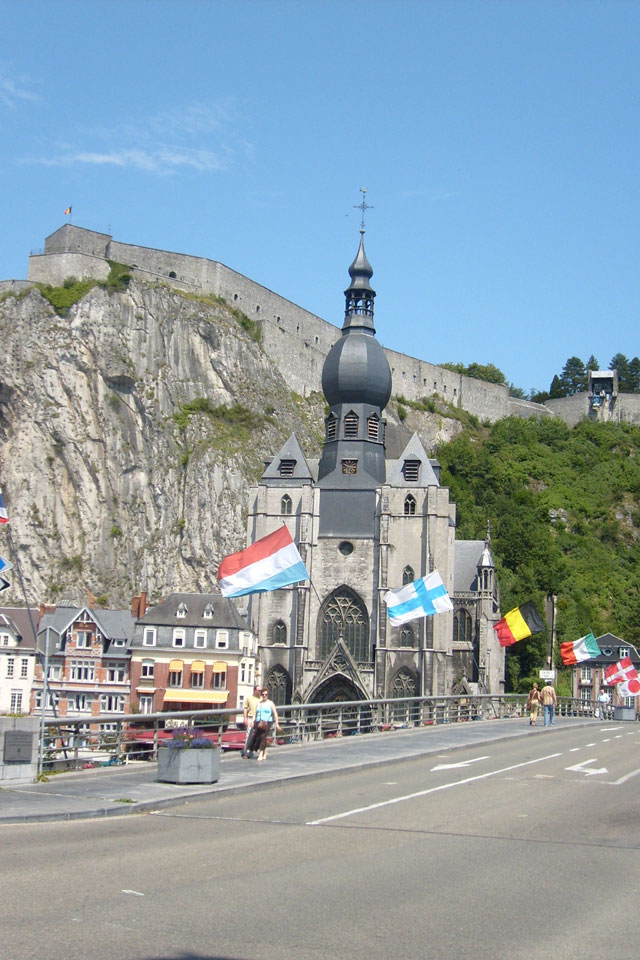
x=297 y=340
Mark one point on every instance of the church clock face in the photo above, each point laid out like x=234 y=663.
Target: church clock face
x=350 y=466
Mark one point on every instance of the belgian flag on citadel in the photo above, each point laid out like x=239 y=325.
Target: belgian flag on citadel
x=518 y=624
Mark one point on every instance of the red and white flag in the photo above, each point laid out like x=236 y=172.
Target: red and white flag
x=629 y=688
x=620 y=672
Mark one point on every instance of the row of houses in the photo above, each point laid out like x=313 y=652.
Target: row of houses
x=190 y=651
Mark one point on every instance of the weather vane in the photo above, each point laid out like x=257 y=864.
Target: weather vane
x=363 y=206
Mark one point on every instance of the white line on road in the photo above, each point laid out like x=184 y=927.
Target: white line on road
x=463 y=763
x=627 y=776
x=136 y=893
x=581 y=767
x=424 y=793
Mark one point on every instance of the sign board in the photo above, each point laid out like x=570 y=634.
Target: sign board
x=547 y=674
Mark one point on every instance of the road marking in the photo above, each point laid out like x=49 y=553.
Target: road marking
x=606 y=739
x=609 y=729
x=463 y=763
x=136 y=893
x=574 y=749
x=424 y=793
x=581 y=768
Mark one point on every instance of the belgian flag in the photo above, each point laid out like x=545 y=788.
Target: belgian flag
x=519 y=623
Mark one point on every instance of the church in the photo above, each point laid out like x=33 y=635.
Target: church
x=369 y=516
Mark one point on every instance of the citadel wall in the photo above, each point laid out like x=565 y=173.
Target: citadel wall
x=297 y=340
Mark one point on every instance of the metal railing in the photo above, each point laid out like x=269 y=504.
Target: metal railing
x=76 y=742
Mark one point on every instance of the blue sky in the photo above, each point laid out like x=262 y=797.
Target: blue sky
x=498 y=142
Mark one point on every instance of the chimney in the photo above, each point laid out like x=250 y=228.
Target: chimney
x=139 y=605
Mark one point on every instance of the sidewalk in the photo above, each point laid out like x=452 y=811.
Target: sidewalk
x=133 y=788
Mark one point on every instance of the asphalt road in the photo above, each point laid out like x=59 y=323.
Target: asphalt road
x=522 y=850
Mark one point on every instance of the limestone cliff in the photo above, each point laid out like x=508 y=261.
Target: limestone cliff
x=130 y=430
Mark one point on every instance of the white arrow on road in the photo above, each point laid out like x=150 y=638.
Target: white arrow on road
x=463 y=763
x=580 y=768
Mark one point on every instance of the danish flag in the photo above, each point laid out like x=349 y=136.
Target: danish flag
x=621 y=672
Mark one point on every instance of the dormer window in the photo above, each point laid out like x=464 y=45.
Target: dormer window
x=411 y=470
x=287 y=468
x=409 y=506
x=351 y=422
x=208 y=612
x=285 y=505
x=332 y=428
x=181 y=612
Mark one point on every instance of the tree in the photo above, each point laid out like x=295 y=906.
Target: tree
x=634 y=375
x=517 y=392
x=573 y=377
x=556 y=389
x=620 y=363
x=538 y=396
x=592 y=364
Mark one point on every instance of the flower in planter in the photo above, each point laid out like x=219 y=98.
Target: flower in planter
x=189 y=740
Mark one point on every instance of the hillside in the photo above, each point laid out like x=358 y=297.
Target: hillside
x=564 y=508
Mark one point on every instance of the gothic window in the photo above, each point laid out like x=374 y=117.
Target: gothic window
x=351 y=422
x=279 y=686
x=373 y=428
x=279 y=633
x=409 y=506
x=462 y=627
x=404 y=685
x=407 y=636
x=287 y=468
x=408 y=576
x=285 y=504
x=411 y=471
x=332 y=427
x=344 y=615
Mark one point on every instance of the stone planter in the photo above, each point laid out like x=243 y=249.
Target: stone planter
x=188 y=765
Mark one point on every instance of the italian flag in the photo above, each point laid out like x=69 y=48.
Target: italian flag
x=575 y=651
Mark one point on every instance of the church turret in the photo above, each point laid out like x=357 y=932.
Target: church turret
x=356 y=382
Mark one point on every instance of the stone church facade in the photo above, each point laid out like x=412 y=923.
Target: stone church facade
x=366 y=522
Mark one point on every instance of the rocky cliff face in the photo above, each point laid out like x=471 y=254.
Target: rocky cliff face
x=130 y=431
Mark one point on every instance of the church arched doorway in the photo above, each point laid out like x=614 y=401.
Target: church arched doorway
x=336 y=689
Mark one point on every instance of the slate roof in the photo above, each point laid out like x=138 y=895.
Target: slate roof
x=414 y=450
x=467 y=556
x=113 y=624
x=610 y=646
x=17 y=621
x=225 y=613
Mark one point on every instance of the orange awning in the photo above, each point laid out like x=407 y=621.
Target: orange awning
x=175 y=666
x=197 y=666
x=195 y=696
x=219 y=666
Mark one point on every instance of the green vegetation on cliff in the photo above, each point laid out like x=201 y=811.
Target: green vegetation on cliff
x=564 y=508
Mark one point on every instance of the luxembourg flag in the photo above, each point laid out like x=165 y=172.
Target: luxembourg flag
x=418 y=599
x=3 y=510
x=268 y=564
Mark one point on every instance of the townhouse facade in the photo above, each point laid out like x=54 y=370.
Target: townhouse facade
x=17 y=659
x=587 y=678
x=189 y=652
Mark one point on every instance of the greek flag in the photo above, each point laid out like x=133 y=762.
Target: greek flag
x=418 y=599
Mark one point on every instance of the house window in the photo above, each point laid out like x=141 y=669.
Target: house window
x=285 y=505
x=119 y=643
x=79 y=703
x=623 y=652
x=409 y=506
x=197 y=680
x=15 y=705
x=149 y=637
x=4 y=640
x=351 y=423
x=112 y=703
x=411 y=471
x=279 y=634
x=287 y=468
x=181 y=611
x=10 y=666
x=222 y=639
x=147 y=669
x=585 y=674
x=200 y=638
x=332 y=428
x=146 y=704
x=373 y=428
x=84 y=670
x=208 y=612
x=178 y=637
x=24 y=669
x=219 y=680
x=83 y=639
x=175 y=678
x=117 y=673
x=408 y=576
x=55 y=671
x=585 y=694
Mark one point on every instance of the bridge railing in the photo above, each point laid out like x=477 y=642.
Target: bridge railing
x=74 y=742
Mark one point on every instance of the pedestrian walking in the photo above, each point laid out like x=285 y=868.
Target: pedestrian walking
x=266 y=717
x=603 y=703
x=549 y=703
x=248 y=715
x=533 y=704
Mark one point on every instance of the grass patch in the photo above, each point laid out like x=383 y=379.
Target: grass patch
x=64 y=297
